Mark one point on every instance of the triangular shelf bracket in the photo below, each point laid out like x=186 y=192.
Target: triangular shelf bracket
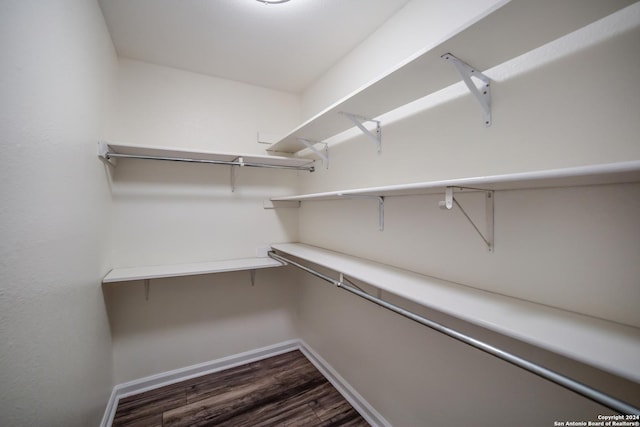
x=482 y=94
x=450 y=200
x=359 y=122
x=310 y=144
x=240 y=161
x=103 y=154
x=379 y=199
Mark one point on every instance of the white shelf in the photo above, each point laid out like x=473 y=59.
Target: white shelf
x=607 y=345
x=488 y=40
x=179 y=270
x=136 y=150
x=611 y=173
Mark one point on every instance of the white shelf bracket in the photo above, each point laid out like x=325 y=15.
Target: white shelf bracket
x=233 y=179
x=381 y=213
x=359 y=122
x=483 y=94
x=103 y=153
x=233 y=172
x=279 y=204
x=450 y=200
x=310 y=144
x=380 y=200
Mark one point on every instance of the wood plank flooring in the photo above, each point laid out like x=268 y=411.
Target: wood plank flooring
x=284 y=390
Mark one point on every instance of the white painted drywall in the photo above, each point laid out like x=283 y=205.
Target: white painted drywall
x=418 y=24
x=165 y=107
x=574 y=248
x=165 y=212
x=417 y=377
x=190 y=320
x=577 y=249
x=57 y=76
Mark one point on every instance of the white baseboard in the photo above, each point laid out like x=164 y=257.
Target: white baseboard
x=171 y=377
x=367 y=411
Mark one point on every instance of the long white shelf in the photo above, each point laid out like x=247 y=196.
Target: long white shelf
x=490 y=39
x=607 y=345
x=610 y=173
x=106 y=148
x=191 y=269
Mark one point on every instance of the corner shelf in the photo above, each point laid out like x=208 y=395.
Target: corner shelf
x=491 y=38
x=191 y=269
x=604 y=344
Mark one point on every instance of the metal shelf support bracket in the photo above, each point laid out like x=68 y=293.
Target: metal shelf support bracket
x=146 y=289
x=450 y=200
x=310 y=144
x=240 y=162
x=359 y=122
x=380 y=200
x=483 y=95
x=103 y=153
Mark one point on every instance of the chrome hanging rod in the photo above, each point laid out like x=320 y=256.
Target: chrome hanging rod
x=214 y=162
x=555 y=377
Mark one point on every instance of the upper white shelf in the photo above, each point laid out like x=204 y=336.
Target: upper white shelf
x=106 y=149
x=191 y=269
x=610 y=173
x=490 y=39
x=607 y=345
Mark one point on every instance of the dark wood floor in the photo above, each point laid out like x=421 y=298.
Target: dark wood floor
x=285 y=390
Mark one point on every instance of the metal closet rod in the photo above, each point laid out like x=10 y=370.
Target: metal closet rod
x=214 y=162
x=566 y=382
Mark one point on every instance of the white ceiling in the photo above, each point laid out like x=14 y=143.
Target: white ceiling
x=283 y=46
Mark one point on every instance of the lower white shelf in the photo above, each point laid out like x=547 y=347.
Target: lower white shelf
x=177 y=270
x=607 y=345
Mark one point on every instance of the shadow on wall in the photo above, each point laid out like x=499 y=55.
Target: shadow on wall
x=146 y=178
x=190 y=320
x=183 y=302
x=431 y=379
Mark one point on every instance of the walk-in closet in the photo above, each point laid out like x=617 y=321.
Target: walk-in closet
x=320 y=213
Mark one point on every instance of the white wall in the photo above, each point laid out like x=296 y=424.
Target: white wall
x=418 y=25
x=551 y=245
x=166 y=107
x=190 y=320
x=414 y=376
x=58 y=70
x=165 y=212
x=573 y=248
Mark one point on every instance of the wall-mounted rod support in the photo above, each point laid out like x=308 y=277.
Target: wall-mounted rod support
x=450 y=200
x=287 y=261
x=213 y=162
x=310 y=144
x=359 y=122
x=380 y=200
x=483 y=95
x=548 y=374
x=233 y=173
